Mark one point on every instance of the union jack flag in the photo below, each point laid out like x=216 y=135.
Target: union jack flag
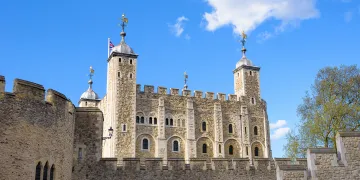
x=111 y=45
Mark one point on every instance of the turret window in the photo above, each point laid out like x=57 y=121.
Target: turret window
x=119 y=60
x=219 y=148
x=252 y=100
x=255 y=130
x=124 y=128
x=131 y=76
x=203 y=126
x=250 y=73
x=230 y=128
x=131 y=61
x=245 y=131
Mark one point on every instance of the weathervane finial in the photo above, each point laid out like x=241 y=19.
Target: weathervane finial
x=243 y=41
x=91 y=74
x=124 y=22
x=185 y=80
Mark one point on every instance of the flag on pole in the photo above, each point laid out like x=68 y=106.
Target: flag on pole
x=111 y=45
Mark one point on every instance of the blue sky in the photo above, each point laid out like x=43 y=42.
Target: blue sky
x=53 y=43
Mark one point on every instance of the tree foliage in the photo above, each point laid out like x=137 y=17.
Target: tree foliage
x=333 y=105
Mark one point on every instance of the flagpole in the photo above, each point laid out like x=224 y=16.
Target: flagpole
x=108 y=44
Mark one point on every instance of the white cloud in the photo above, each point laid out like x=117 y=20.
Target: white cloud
x=348 y=16
x=187 y=37
x=264 y=36
x=278 y=124
x=178 y=27
x=279 y=133
x=248 y=14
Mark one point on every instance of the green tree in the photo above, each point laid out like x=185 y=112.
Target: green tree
x=332 y=106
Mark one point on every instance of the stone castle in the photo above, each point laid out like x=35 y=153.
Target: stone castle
x=142 y=134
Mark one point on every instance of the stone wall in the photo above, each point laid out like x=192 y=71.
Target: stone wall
x=176 y=118
x=34 y=130
x=226 y=169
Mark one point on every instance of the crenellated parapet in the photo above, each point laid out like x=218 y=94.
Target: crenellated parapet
x=148 y=89
x=36 y=127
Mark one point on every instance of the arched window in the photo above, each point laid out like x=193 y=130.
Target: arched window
x=231 y=150
x=130 y=61
x=203 y=126
x=204 y=148
x=255 y=130
x=142 y=120
x=256 y=151
x=45 y=173
x=178 y=123
x=52 y=171
x=145 y=144
x=155 y=120
x=38 y=171
x=230 y=128
x=171 y=122
x=167 y=121
x=176 y=146
x=137 y=119
x=150 y=120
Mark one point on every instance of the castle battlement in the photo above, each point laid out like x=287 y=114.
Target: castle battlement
x=149 y=89
x=31 y=92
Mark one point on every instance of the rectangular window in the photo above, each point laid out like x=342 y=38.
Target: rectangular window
x=124 y=128
x=80 y=154
x=247 y=151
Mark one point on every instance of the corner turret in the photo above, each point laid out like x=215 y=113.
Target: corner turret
x=89 y=98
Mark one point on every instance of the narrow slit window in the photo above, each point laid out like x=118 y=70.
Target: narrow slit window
x=203 y=126
x=150 y=120
x=176 y=146
x=256 y=151
x=80 y=156
x=255 y=130
x=245 y=130
x=118 y=74
x=167 y=121
x=38 y=171
x=52 y=171
x=219 y=148
x=230 y=128
x=119 y=60
x=145 y=144
x=124 y=127
x=130 y=76
x=252 y=100
x=171 y=122
x=45 y=173
x=131 y=61
x=155 y=120
x=204 y=148
x=231 y=150
x=247 y=151
x=142 y=120
x=250 y=73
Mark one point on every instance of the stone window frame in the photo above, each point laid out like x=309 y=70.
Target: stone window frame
x=256 y=131
x=38 y=170
x=172 y=146
x=122 y=127
x=206 y=126
x=256 y=151
x=253 y=101
x=142 y=143
x=231 y=147
x=206 y=148
x=230 y=127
